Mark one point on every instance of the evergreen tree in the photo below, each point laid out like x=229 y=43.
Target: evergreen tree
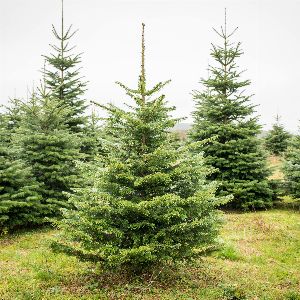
x=277 y=139
x=13 y=115
x=49 y=148
x=62 y=76
x=224 y=113
x=92 y=139
x=292 y=167
x=20 y=201
x=151 y=203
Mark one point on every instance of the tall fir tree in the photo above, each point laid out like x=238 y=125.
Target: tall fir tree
x=20 y=199
x=224 y=113
x=62 y=76
x=151 y=203
x=48 y=146
x=277 y=139
x=292 y=167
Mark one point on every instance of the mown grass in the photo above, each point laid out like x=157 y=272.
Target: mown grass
x=259 y=259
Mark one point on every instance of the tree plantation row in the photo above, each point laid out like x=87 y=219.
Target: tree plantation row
x=125 y=191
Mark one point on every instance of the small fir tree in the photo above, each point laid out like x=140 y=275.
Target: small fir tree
x=48 y=146
x=13 y=115
x=92 y=139
x=292 y=167
x=151 y=203
x=277 y=139
x=224 y=113
x=20 y=200
x=62 y=76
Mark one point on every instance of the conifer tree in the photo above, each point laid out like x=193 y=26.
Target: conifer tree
x=92 y=145
x=151 y=203
x=292 y=167
x=20 y=200
x=277 y=139
x=62 y=76
x=13 y=115
x=49 y=148
x=225 y=113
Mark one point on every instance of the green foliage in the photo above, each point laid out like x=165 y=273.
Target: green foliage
x=20 y=201
x=49 y=148
x=277 y=139
x=228 y=252
x=278 y=186
x=292 y=167
x=13 y=115
x=226 y=114
x=62 y=77
x=92 y=138
x=231 y=292
x=151 y=203
x=292 y=295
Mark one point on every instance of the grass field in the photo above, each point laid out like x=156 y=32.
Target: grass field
x=260 y=259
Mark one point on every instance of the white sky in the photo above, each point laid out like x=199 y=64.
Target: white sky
x=178 y=37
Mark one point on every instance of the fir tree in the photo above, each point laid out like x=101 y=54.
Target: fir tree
x=13 y=115
x=49 y=148
x=277 y=139
x=292 y=167
x=225 y=113
x=62 y=76
x=151 y=203
x=92 y=139
x=20 y=201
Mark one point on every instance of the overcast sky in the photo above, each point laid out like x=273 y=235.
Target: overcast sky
x=178 y=37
